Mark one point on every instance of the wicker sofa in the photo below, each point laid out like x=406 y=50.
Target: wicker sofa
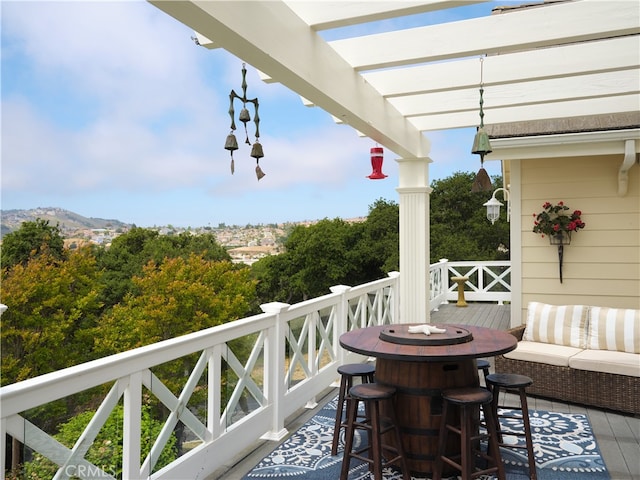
x=579 y=354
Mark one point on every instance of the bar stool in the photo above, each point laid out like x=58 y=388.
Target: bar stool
x=510 y=382
x=348 y=372
x=484 y=366
x=373 y=394
x=466 y=399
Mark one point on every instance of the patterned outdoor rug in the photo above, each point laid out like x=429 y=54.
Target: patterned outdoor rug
x=564 y=446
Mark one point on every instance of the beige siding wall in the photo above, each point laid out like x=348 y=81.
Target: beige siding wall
x=602 y=264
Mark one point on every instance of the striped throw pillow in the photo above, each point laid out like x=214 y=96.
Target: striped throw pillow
x=615 y=329
x=557 y=324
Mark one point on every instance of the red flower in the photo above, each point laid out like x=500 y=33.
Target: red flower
x=554 y=220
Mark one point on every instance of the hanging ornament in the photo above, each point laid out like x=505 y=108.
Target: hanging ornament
x=482 y=147
x=231 y=144
x=256 y=152
x=244 y=117
x=376 y=163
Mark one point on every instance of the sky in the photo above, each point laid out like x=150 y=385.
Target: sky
x=110 y=110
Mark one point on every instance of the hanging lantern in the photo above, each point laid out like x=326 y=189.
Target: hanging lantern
x=376 y=163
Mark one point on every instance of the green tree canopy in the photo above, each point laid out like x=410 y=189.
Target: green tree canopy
x=459 y=227
x=52 y=306
x=175 y=297
x=379 y=246
x=331 y=252
x=31 y=239
x=130 y=252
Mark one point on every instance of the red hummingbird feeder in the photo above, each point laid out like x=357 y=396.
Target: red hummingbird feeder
x=376 y=163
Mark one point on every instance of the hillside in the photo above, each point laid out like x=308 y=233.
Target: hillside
x=68 y=221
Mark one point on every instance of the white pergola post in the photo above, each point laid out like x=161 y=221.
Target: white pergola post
x=414 y=193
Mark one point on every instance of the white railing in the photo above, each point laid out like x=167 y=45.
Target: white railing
x=287 y=357
x=489 y=281
x=291 y=355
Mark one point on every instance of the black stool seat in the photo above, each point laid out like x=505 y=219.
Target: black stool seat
x=376 y=425
x=482 y=364
x=365 y=372
x=372 y=391
x=517 y=384
x=356 y=369
x=467 y=401
x=509 y=380
x=468 y=396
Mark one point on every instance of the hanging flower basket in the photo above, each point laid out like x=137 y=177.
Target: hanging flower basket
x=560 y=238
x=555 y=222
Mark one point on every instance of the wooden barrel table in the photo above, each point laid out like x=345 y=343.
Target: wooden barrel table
x=418 y=405
x=420 y=367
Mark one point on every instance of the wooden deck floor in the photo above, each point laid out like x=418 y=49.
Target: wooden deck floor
x=618 y=435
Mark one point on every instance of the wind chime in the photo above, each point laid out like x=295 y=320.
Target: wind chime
x=244 y=116
x=482 y=147
x=376 y=163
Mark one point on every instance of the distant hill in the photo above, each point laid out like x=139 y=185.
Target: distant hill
x=68 y=221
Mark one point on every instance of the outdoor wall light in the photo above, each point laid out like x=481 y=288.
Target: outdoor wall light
x=493 y=206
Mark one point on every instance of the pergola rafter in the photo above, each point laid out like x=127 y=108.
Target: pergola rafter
x=547 y=61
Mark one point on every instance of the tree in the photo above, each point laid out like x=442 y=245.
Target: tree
x=129 y=253
x=379 y=250
x=53 y=303
x=175 y=297
x=32 y=239
x=331 y=252
x=459 y=227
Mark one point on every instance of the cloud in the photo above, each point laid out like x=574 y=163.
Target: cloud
x=324 y=159
x=112 y=104
x=154 y=110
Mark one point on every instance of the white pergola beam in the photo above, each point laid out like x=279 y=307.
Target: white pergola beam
x=334 y=14
x=509 y=32
x=271 y=38
x=549 y=91
x=562 y=61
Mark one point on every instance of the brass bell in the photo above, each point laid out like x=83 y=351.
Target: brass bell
x=231 y=143
x=481 y=143
x=482 y=182
x=256 y=150
x=244 y=116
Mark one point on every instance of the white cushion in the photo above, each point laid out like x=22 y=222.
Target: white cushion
x=543 y=353
x=620 y=363
x=556 y=324
x=615 y=329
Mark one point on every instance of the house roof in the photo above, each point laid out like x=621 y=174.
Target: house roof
x=549 y=64
x=584 y=123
